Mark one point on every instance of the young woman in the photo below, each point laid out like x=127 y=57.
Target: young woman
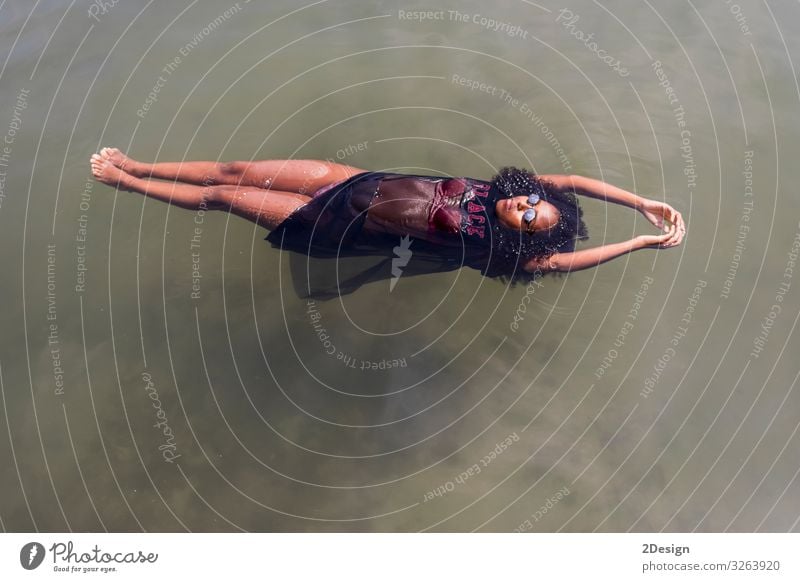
x=512 y=227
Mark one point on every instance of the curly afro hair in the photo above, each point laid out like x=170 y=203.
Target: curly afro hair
x=511 y=249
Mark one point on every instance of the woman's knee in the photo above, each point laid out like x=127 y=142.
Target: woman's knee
x=231 y=168
x=217 y=197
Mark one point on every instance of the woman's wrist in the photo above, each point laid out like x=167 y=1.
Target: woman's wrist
x=639 y=202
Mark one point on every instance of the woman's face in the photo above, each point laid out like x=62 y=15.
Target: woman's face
x=510 y=210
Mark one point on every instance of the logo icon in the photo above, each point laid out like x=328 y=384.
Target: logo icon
x=31 y=555
x=402 y=256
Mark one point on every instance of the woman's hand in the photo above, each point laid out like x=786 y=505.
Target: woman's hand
x=669 y=239
x=657 y=212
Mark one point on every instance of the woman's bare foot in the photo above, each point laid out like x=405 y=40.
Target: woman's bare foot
x=106 y=172
x=120 y=160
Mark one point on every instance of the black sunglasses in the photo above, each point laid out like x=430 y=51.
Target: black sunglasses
x=530 y=214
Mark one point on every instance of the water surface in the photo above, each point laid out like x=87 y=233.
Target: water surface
x=657 y=392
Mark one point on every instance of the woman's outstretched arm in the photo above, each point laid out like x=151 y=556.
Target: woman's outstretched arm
x=585 y=258
x=596 y=189
x=655 y=211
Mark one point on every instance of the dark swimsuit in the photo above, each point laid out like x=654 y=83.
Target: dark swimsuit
x=371 y=212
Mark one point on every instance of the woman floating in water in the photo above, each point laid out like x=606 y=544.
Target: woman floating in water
x=512 y=227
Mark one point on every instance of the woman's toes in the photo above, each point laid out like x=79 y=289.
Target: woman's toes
x=97 y=169
x=110 y=153
x=104 y=171
x=116 y=157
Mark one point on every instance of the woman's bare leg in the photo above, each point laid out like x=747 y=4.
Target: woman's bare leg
x=267 y=208
x=302 y=176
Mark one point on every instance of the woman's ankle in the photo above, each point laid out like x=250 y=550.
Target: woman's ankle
x=138 y=169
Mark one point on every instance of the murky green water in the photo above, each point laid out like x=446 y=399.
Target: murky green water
x=657 y=392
